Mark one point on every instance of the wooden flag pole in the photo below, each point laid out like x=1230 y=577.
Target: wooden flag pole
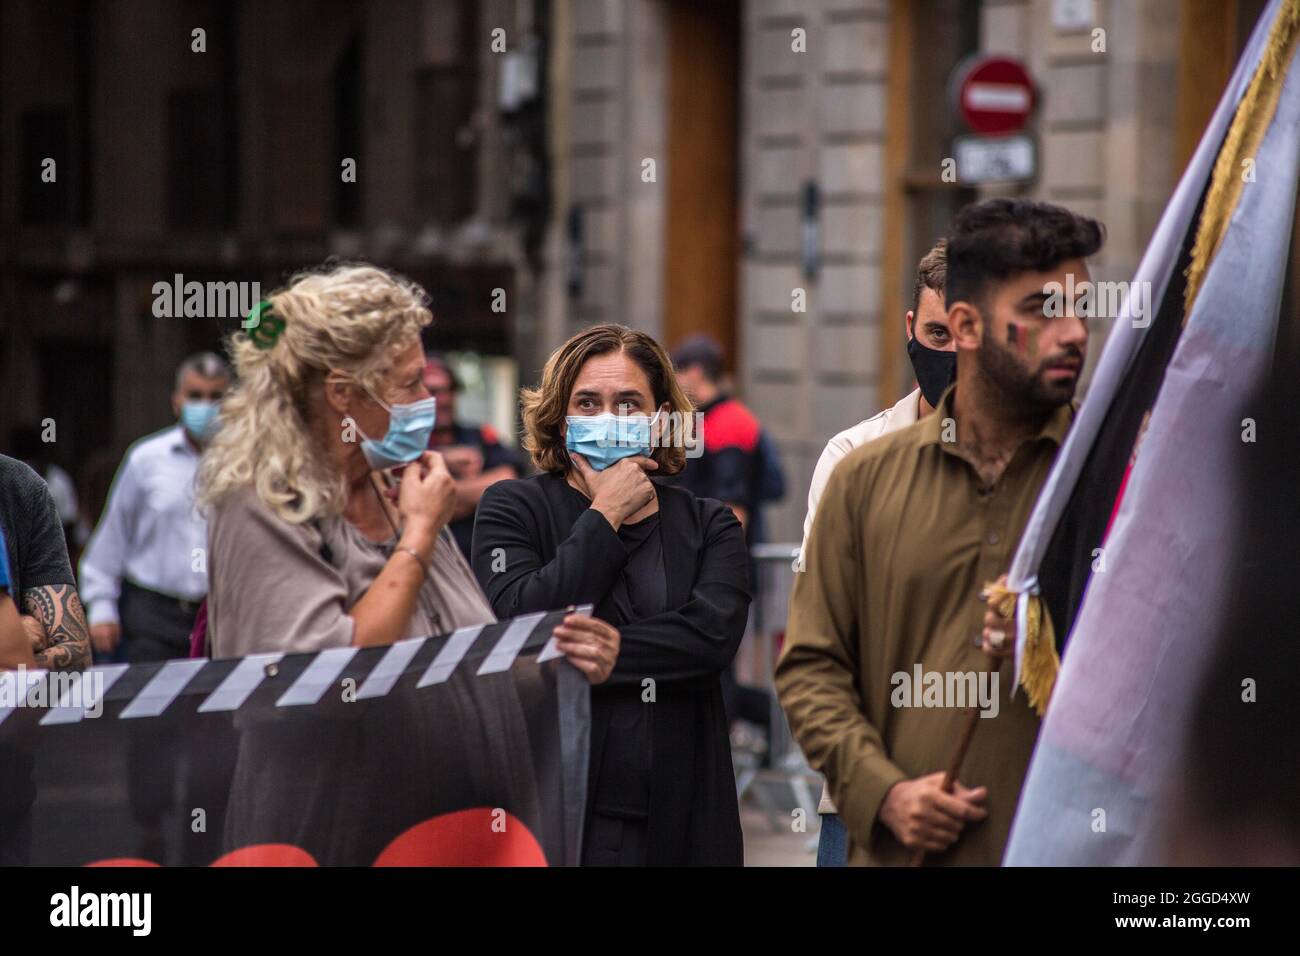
x=954 y=765
x=950 y=777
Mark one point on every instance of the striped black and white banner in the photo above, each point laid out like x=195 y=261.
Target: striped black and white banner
x=280 y=680
x=152 y=745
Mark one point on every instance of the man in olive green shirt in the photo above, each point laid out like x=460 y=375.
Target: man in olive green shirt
x=910 y=529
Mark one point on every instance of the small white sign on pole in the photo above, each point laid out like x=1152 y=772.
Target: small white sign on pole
x=1072 y=16
x=982 y=160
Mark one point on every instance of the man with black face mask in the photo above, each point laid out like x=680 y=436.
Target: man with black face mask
x=934 y=360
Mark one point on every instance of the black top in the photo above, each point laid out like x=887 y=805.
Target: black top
x=640 y=592
x=38 y=553
x=642 y=589
x=557 y=551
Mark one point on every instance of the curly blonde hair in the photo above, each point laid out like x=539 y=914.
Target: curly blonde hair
x=352 y=316
x=545 y=407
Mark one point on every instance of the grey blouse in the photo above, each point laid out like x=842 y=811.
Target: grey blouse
x=275 y=586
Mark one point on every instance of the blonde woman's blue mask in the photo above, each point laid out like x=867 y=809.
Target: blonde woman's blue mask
x=407 y=438
x=607 y=438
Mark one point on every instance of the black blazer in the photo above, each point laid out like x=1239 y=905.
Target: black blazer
x=556 y=551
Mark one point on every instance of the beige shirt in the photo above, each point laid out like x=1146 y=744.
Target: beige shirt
x=906 y=535
x=903 y=413
x=272 y=589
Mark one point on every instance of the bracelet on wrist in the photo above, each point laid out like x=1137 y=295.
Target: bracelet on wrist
x=401 y=548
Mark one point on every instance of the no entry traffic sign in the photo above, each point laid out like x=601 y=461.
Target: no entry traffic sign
x=994 y=94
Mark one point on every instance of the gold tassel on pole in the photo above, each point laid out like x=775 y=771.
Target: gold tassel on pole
x=1040 y=663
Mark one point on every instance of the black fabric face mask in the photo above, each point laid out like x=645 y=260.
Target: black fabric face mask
x=935 y=370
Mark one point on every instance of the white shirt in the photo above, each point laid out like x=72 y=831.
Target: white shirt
x=151 y=533
x=906 y=412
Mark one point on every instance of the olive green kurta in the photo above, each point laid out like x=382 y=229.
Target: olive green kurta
x=904 y=539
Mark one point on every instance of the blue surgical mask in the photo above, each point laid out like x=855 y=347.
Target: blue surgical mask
x=409 y=427
x=605 y=439
x=199 y=419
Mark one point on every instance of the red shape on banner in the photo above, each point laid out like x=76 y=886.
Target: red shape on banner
x=478 y=837
x=995 y=94
x=123 y=861
x=482 y=836
x=266 y=854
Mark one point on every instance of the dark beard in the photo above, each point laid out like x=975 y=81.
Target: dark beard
x=1021 y=387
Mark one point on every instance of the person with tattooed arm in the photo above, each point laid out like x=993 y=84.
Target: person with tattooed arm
x=41 y=583
x=42 y=603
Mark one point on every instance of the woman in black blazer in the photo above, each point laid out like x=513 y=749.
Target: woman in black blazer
x=665 y=568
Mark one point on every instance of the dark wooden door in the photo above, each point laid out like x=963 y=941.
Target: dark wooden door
x=701 y=258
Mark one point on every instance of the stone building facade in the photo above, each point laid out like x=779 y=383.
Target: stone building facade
x=844 y=121
x=210 y=139
x=768 y=171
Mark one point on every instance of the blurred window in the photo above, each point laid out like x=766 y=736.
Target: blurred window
x=198 y=160
x=47 y=134
x=348 y=130
x=446 y=133
x=947 y=32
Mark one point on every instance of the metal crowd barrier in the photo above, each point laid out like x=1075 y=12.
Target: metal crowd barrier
x=779 y=781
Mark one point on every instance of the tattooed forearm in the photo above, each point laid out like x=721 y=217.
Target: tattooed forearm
x=59 y=611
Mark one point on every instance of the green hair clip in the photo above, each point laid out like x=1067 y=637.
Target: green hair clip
x=263 y=326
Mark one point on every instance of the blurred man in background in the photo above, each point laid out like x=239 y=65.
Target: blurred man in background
x=145 y=569
x=739 y=465
x=473 y=453
x=147 y=553
x=933 y=353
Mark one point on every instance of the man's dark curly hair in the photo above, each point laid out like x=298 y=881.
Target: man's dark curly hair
x=996 y=239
